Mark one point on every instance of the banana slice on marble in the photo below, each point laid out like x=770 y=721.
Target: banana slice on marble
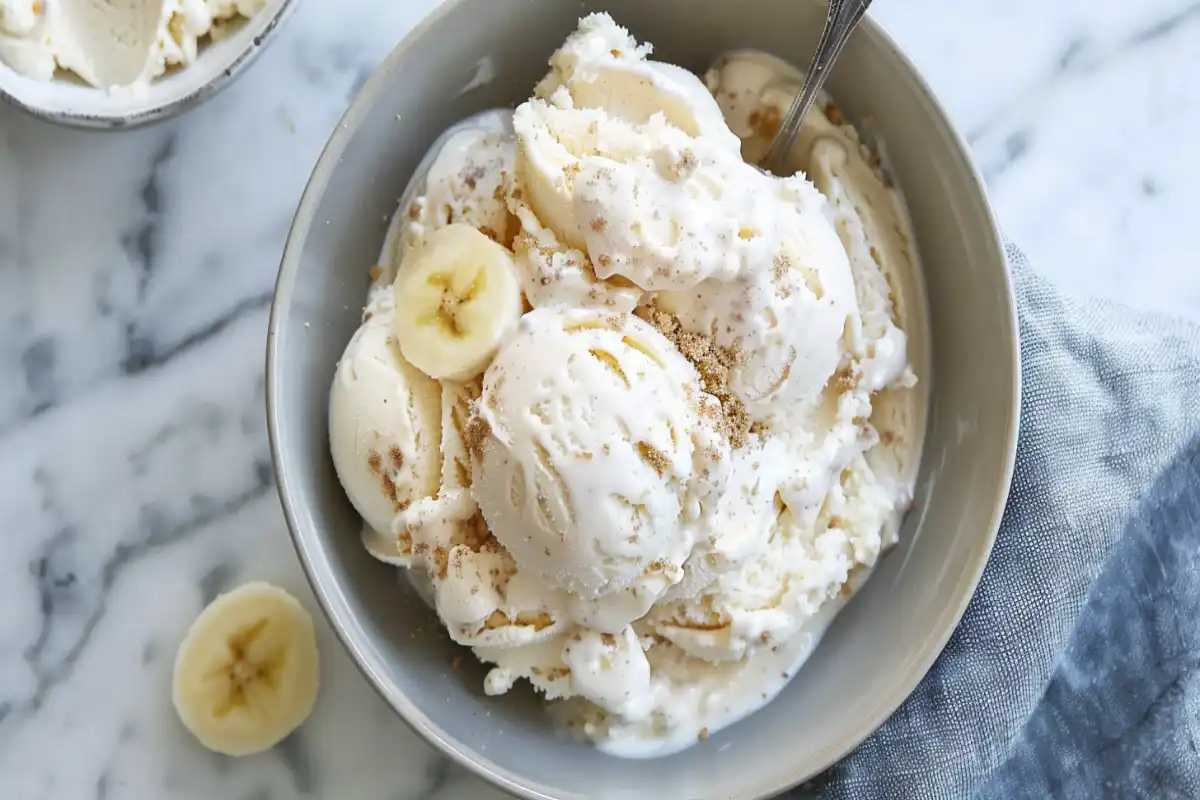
x=458 y=297
x=246 y=674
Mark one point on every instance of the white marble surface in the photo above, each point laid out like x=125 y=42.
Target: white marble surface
x=135 y=276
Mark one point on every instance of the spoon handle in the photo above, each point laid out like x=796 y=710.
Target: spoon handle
x=843 y=17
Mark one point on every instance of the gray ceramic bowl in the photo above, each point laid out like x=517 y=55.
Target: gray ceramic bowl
x=888 y=636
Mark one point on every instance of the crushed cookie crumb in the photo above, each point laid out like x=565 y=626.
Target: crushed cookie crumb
x=476 y=435
x=766 y=121
x=835 y=114
x=684 y=168
x=714 y=364
x=845 y=379
x=374 y=462
x=656 y=458
x=375 y=272
x=598 y=224
x=471 y=177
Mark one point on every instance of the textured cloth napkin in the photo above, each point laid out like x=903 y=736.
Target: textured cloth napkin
x=1075 y=672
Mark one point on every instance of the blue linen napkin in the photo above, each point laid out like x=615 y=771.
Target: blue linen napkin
x=1075 y=672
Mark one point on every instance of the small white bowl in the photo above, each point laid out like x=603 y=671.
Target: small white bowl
x=82 y=106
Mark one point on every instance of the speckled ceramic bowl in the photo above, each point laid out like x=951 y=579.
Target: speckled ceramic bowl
x=75 y=104
x=475 y=54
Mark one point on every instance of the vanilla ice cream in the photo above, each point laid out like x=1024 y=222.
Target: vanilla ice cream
x=111 y=44
x=596 y=452
x=384 y=428
x=468 y=183
x=650 y=487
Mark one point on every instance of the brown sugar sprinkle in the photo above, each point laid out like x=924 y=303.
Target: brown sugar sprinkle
x=374 y=462
x=396 y=456
x=656 y=458
x=713 y=363
x=835 y=114
x=375 y=272
x=599 y=224
x=476 y=435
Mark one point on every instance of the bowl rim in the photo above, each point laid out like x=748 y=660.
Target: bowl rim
x=112 y=121
x=432 y=733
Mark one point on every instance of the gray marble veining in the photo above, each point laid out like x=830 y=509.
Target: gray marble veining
x=135 y=278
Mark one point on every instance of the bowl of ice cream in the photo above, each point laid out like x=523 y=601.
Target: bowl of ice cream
x=116 y=65
x=620 y=467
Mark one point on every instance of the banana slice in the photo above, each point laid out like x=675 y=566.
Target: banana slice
x=457 y=298
x=246 y=674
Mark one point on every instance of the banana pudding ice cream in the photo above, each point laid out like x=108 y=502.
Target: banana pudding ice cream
x=640 y=415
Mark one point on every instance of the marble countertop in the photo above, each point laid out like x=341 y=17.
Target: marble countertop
x=135 y=278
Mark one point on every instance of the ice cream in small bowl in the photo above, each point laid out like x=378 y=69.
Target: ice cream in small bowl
x=635 y=451
x=121 y=64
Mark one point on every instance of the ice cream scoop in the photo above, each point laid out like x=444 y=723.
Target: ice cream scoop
x=384 y=424
x=595 y=453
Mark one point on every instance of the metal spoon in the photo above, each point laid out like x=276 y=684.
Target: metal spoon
x=841 y=21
